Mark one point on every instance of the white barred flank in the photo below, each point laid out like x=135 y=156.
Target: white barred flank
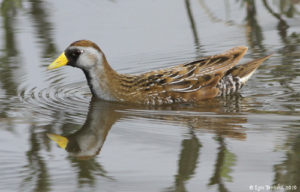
x=229 y=85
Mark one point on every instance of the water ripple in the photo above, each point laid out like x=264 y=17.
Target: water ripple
x=72 y=98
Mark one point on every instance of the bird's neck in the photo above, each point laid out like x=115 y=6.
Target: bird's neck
x=100 y=80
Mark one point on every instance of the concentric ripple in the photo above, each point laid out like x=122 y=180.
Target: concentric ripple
x=72 y=99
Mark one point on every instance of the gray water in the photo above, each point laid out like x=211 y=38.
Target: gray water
x=246 y=142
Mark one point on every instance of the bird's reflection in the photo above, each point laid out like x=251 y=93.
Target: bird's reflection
x=88 y=141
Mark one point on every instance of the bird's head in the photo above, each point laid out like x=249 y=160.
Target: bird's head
x=83 y=54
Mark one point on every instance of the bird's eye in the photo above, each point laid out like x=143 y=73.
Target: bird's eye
x=73 y=54
x=76 y=53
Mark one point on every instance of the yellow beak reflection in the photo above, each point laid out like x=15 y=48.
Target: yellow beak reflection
x=60 y=140
x=60 y=61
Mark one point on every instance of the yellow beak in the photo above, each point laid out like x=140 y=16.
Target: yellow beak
x=61 y=141
x=60 y=61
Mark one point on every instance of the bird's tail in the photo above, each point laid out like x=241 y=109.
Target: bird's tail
x=245 y=71
x=236 y=77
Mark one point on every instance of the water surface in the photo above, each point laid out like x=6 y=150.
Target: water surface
x=238 y=143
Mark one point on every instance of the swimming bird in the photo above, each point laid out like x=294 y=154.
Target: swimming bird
x=190 y=82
